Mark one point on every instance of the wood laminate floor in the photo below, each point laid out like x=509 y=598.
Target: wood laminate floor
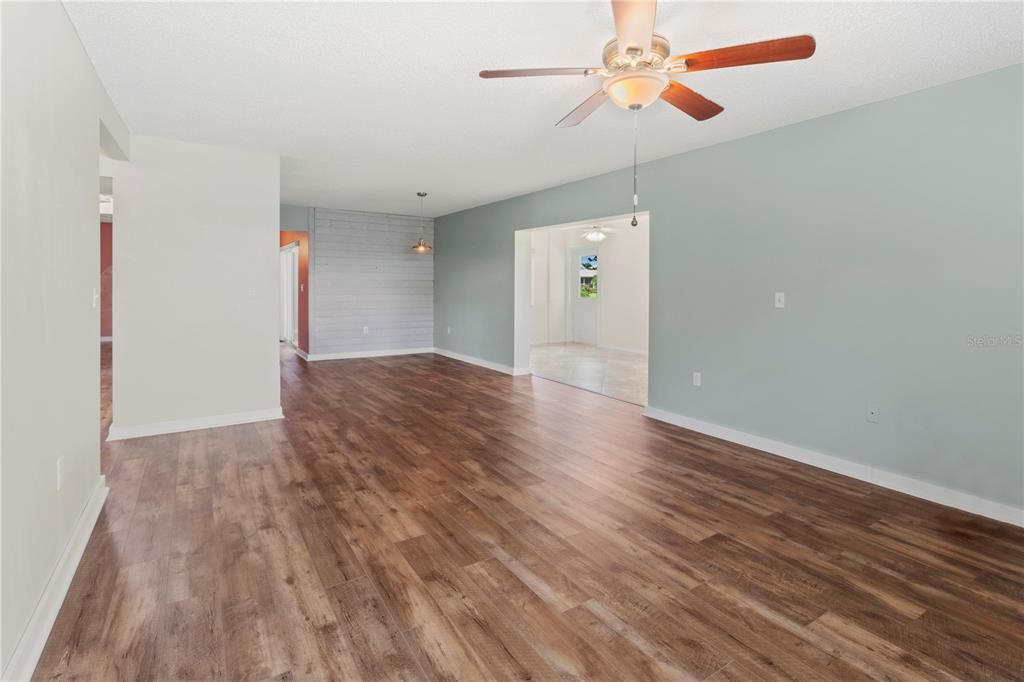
x=419 y=518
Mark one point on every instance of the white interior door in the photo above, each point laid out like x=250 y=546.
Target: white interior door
x=294 y=280
x=584 y=296
x=289 y=293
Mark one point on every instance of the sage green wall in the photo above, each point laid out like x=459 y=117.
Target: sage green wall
x=296 y=218
x=895 y=230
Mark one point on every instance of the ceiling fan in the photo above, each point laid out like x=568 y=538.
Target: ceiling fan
x=638 y=69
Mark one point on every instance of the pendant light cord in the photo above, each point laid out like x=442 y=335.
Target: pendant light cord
x=421 y=195
x=636 y=134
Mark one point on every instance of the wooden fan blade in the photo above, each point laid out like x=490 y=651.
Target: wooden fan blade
x=780 y=50
x=634 y=25
x=589 y=106
x=689 y=102
x=521 y=73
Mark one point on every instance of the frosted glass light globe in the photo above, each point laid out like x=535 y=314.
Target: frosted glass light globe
x=635 y=89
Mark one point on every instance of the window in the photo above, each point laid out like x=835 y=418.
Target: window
x=588 y=276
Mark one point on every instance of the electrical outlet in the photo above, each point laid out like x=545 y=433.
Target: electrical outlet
x=60 y=473
x=871 y=414
x=696 y=378
x=366 y=330
x=780 y=299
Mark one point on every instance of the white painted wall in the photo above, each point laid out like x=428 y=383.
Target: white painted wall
x=624 y=287
x=549 y=272
x=365 y=276
x=558 y=286
x=53 y=109
x=197 y=287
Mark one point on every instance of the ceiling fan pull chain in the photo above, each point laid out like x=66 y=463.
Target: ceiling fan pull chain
x=636 y=197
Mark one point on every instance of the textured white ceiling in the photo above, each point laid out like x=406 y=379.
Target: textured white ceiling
x=369 y=102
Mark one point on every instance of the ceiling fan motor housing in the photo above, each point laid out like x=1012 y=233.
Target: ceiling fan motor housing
x=655 y=58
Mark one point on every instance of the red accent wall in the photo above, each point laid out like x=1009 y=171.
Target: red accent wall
x=302 y=238
x=106 y=278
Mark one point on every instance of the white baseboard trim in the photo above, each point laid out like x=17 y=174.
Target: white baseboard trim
x=314 y=357
x=497 y=367
x=106 y=339
x=301 y=353
x=158 y=428
x=886 y=479
x=505 y=369
x=30 y=646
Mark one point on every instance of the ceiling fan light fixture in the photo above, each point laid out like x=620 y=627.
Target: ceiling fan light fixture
x=636 y=89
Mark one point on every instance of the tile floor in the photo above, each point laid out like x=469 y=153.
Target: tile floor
x=616 y=374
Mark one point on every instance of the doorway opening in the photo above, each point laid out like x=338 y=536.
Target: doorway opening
x=105 y=297
x=582 y=305
x=290 y=293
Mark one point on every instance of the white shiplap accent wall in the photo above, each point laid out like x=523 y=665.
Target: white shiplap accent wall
x=365 y=275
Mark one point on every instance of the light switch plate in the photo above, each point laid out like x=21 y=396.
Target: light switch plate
x=696 y=379
x=780 y=299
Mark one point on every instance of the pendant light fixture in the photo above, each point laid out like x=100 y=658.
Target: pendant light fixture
x=421 y=246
